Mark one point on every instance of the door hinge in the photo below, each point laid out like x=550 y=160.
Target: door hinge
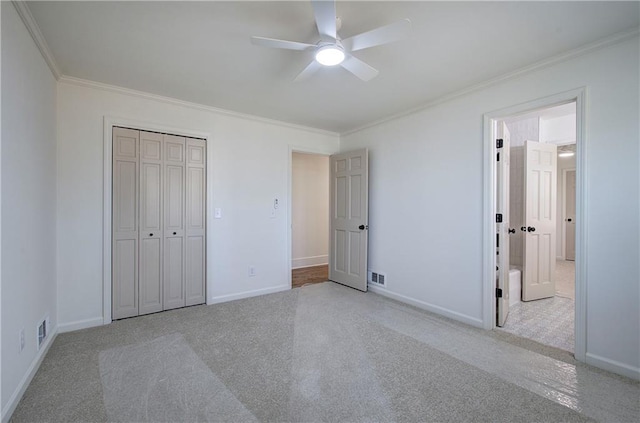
x=498 y=242
x=499 y=143
x=498 y=217
x=498 y=293
x=498 y=157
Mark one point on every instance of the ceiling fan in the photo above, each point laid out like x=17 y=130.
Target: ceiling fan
x=331 y=50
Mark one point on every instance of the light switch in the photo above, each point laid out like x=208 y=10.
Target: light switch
x=217 y=213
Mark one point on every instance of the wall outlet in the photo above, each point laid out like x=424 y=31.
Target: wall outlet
x=252 y=271
x=21 y=340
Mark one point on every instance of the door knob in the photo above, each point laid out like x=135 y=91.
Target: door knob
x=512 y=230
x=523 y=228
x=531 y=229
x=363 y=227
x=569 y=220
x=174 y=233
x=150 y=234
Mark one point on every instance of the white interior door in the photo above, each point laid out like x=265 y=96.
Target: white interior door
x=540 y=219
x=570 y=215
x=124 y=243
x=349 y=218
x=502 y=228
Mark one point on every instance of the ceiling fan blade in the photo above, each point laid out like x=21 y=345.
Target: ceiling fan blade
x=273 y=43
x=383 y=35
x=325 y=13
x=359 y=68
x=308 y=71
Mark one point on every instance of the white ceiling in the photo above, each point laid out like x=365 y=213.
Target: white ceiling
x=200 y=51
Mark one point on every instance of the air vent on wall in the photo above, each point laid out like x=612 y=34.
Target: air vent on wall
x=377 y=278
x=42 y=331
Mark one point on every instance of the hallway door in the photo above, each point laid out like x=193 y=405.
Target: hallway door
x=540 y=219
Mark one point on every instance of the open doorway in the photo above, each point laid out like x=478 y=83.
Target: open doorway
x=310 y=219
x=535 y=203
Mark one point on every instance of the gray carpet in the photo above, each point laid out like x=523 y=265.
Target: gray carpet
x=318 y=353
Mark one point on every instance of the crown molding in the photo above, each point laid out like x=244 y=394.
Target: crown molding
x=173 y=101
x=553 y=60
x=33 y=28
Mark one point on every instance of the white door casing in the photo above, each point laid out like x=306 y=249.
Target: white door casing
x=502 y=228
x=124 y=264
x=349 y=218
x=540 y=221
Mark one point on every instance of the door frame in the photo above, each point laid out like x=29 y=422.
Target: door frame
x=489 y=227
x=321 y=151
x=563 y=232
x=109 y=123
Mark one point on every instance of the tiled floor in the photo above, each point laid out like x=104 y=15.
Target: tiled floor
x=549 y=321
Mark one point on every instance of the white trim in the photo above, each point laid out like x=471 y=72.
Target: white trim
x=248 y=294
x=302 y=262
x=109 y=123
x=324 y=151
x=15 y=398
x=27 y=18
x=489 y=261
x=426 y=306
x=545 y=63
x=613 y=366
x=173 y=101
x=80 y=324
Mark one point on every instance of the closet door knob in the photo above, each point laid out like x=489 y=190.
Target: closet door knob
x=523 y=228
x=174 y=233
x=531 y=229
x=150 y=234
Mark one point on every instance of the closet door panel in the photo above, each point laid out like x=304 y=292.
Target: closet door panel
x=124 y=228
x=195 y=230
x=196 y=215
x=174 y=222
x=150 y=223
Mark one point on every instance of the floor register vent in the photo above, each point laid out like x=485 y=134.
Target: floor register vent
x=377 y=278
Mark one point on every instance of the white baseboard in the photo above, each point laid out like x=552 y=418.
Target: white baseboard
x=301 y=262
x=80 y=324
x=613 y=366
x=428 y=307
x=247 y=294
x=26 y=380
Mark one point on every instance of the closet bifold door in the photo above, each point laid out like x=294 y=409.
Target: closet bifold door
x=151 y=231
x=124 y=242
x=195 y=263
x=174 y=222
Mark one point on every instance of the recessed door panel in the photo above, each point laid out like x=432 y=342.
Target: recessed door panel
x=354 y=253
x=174 y=198
x=174 y=149
x=151 y=193
x=195 y=270
x=150 y=146
x=125 y=279
x=126 y=192
x=195 y=198
x=174 y=272
x=150 y=275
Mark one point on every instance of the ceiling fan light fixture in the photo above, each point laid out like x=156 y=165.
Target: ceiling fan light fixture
x=330 y=55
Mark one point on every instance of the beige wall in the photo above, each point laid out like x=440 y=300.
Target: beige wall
x=310 y=210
